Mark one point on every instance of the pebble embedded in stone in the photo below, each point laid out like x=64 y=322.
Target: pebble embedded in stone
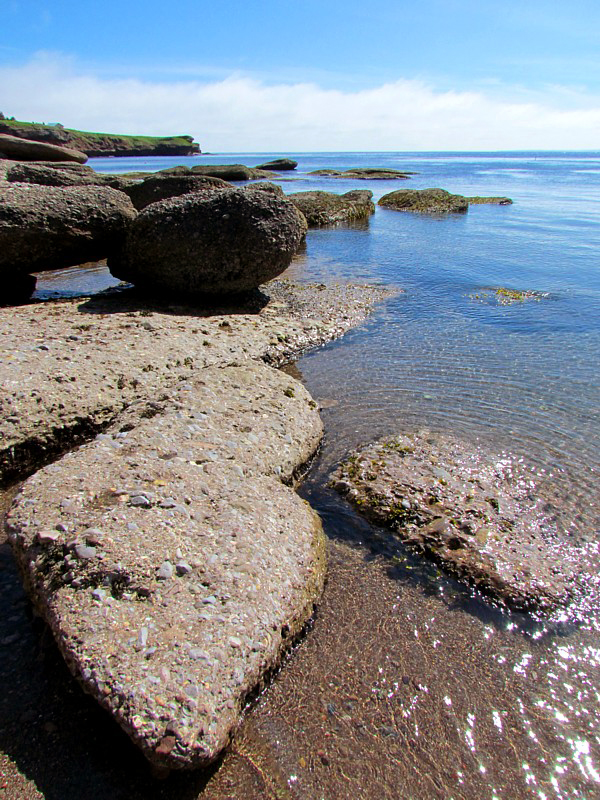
x=84 y=552
x=165 y=571
x=48 y=537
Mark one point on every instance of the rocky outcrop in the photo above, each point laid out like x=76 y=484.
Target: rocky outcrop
x=43 y=227
x=210 y=243
x=326 y=208
x=101 y=144
x=171 y=563
x=365 y=173
x=279 y=164
x=27 y=150
x=479 y=515
x=495 y=201
x=427 y=201
x=164 y=186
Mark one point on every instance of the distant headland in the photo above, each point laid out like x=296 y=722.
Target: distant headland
x=100 y=144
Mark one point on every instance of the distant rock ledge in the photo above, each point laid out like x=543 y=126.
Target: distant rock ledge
x=101 y=144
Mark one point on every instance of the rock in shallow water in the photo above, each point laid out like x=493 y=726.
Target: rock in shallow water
x=475 y=514
x=172 y=651
x=426 y=201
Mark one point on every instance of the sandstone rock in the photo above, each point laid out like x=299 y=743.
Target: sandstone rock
x=43 y=227
x=476 y=514
x=327 y=208
x=127 y=348
x=429 y=201
x=279 y=164
x=163 y=187
x=211 y=243
x=28 y=150
x=173 y=653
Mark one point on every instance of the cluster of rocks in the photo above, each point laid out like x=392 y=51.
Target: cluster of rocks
x=206 y=238
x=481 y=516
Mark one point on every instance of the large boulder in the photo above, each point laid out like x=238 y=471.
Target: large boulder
x=28 y=150
x=171 y=563
x=213 y=243
x=44 y=227
x=428 y=201
x=279 y=164
x=482 y=516
x=327 y=208
x=164 y=186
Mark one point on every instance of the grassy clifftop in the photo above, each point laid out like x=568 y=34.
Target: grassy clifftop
x=101 y=144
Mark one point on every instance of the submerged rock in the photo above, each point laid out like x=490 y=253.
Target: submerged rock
x=495 y=201
x=475 y=514
x=327 y=208
x=429 y=201
x=180 y=567
x=365 y=173
x=214 y=243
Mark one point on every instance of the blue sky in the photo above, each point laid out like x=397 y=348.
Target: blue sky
x=304 y=75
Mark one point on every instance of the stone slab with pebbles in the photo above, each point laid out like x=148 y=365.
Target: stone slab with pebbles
x=171 y=562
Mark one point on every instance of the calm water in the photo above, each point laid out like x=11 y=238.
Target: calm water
x=408 y=686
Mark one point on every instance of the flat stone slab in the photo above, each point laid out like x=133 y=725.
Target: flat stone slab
x=170 y=561
x=68 y=368
x=478 y=515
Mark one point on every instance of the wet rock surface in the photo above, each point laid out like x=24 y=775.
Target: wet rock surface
x=326 y=208
x=169 y=560
x=479 y=515
x=428 y=201
x=212 y=243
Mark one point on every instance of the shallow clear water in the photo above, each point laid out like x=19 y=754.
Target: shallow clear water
x=408 y=686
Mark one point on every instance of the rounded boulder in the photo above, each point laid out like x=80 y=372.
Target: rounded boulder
x=210 y=243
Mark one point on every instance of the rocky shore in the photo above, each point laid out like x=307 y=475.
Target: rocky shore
x=152 y=550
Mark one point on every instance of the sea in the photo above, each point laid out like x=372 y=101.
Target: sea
x=408 y=684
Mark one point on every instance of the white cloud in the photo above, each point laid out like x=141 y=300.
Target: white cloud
x=239 y=113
